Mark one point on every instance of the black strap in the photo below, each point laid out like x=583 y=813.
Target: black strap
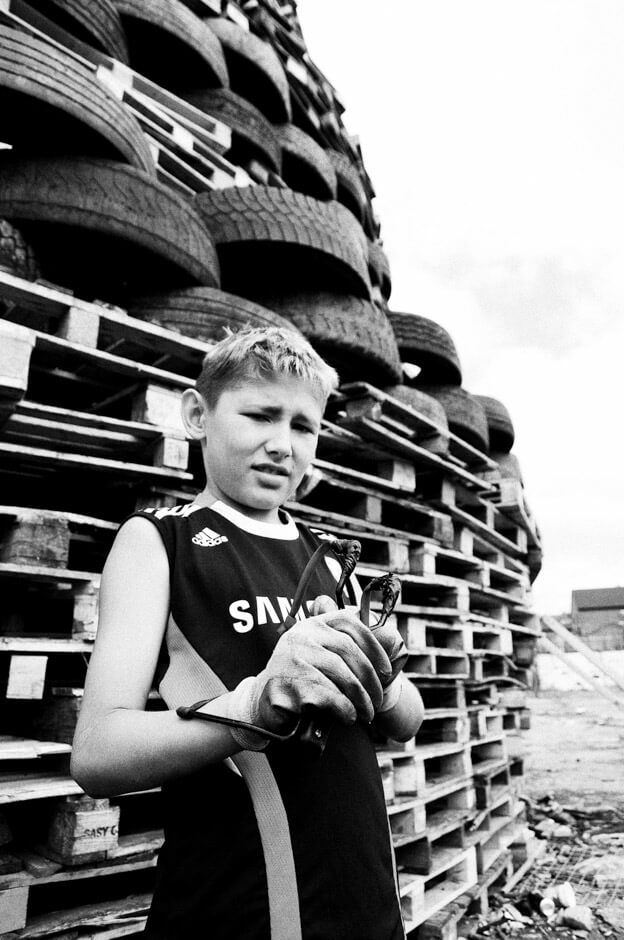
x=192 y=711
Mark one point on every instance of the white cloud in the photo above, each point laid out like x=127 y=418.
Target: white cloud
x=493 y=136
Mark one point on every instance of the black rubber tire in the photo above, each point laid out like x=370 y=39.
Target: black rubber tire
x=96 y=23
x=508 y=464
x=352 y=334
x=379 y=269
x=105 y=229
x=465 y=416
x=500 y=425
x=171 y=45
x=428 y=345
x=317 y=245
x=350 y=191
x=51 y=103
x=419 y=401
x=204 y=312
x=306 y=167
x=253 y=137
x=16 y=255
x=254 y=68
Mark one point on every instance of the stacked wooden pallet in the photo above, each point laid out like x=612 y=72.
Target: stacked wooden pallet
x=228 y=155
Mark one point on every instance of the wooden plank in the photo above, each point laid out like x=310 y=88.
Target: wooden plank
x=52 y=460
x=129 y=910
x=17 y=343
x=40 y=870
x=14 y=748
x=17 y=788
x=43 y=644
x=13 y=907
x=136 y=430
x=47 y=575
x=65 y=351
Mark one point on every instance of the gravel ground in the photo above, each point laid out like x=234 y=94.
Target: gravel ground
x=574 y=751
x=575 y=748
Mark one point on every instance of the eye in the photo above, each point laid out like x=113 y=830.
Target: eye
x=304 y=428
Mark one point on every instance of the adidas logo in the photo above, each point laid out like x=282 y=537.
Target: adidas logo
x=207 y=538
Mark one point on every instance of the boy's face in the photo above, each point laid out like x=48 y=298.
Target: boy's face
x=260 y=437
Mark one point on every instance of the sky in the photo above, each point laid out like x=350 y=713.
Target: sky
x=493 y=131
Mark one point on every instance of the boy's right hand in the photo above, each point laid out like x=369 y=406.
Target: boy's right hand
x=331 y=662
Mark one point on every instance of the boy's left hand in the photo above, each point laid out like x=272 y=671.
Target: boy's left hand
x=387 y=636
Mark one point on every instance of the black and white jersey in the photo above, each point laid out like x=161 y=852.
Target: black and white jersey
x=283 y=844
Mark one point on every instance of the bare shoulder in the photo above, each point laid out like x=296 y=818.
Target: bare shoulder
x=137 y=543
x=134 y=608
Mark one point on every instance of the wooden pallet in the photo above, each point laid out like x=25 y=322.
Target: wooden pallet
x=449 y=696
x=361 y=400
x=40 y=600
x=447 y=924
x=370 y=424
x=510 y=498
x=492 y=779
x=487 y=635
x=494 y=830
x=423 y=856
x=485 y=722
x=56 y=311
x=423 y=896
x=422 y=633
x=63 y=475
x=427 y=771
x=512 y=581
x=51 y=539
x=64 y=430
x=490 y=665
x=475 y=511
x=442 y=663
x=93 y=381
x=440 y=596
x=363 y=496
x=189 y=164
x=487 y=753
x=516 y=719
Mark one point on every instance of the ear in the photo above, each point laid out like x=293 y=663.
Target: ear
x=194 y=414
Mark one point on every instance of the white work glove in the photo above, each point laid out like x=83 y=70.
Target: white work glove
x=329 y=661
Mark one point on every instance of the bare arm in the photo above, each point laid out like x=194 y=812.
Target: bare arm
x=119 y=746
x=330 y=661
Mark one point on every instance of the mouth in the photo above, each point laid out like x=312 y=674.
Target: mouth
x=272 y=469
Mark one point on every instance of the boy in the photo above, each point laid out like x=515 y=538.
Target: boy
x=261 y=843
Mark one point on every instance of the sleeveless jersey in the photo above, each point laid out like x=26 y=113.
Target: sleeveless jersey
x=282 y=844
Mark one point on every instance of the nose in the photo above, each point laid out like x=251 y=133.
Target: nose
x=279 y=444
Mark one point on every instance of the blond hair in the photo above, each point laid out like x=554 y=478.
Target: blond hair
x=263 y=352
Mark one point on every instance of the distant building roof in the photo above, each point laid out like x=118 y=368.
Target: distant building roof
x=598 y=599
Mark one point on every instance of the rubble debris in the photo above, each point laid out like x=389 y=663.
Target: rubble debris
x=575 y=885
x=578 y=917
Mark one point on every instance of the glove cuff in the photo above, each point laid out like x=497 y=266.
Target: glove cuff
x=241 y=704
x=392 y=695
